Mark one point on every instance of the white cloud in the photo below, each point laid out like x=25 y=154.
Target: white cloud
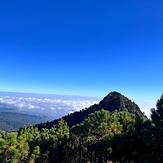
x=52 y=107
x=58 y=106
x=146 y=106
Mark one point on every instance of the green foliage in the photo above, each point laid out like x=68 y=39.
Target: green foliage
x=12 y=148
x=92 y=139
x=103 y=136
x=157 y=117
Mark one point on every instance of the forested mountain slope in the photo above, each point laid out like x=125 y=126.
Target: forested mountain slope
x=114 y=101
x=102 y=137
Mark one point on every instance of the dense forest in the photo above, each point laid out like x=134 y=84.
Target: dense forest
x=122 y=135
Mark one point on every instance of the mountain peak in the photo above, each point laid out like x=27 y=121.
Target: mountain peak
x=115 y=93
x=116 y=101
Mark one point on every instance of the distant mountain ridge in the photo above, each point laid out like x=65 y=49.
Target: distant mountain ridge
x=12 y=121
x=114 y=101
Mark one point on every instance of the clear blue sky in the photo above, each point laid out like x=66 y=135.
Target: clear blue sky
x=82 y=47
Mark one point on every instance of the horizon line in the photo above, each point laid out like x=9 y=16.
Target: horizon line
x=41 y=93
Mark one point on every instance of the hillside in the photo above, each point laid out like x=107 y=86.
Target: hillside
x=114 y=101
x=103 y=136
x=10 y=121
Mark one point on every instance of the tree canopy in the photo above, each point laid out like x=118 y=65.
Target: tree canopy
x=103 y=136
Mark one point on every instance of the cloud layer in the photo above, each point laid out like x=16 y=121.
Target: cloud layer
x=51 y=107
x=54 y=106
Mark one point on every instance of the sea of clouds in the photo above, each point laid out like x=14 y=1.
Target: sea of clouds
x=54 y=106
x=50 y=106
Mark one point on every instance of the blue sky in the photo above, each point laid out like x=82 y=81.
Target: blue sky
x=83 y=47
